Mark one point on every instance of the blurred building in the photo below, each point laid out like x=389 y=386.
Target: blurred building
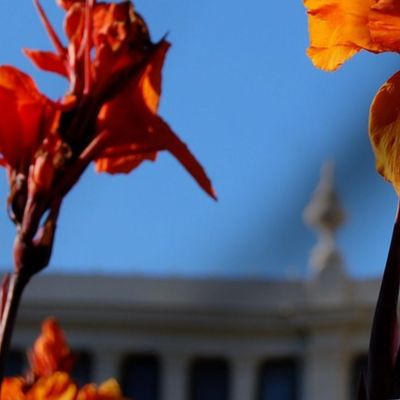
x=216 y=339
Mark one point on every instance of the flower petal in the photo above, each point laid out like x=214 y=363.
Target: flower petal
x=50 y=351
x=25 y=116
x=384 y=128
x=58 y=386
x=338 y=29
x=12 y=389
x=47 y=61
x=171 y=142
x=108 y=390
x=124 y=159
x=384 y=24
x=138 y=131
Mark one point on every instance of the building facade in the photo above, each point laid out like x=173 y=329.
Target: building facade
x=182 y=339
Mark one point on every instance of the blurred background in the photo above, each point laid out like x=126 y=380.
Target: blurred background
x=182 y=297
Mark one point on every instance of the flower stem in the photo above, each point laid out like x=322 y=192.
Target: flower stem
x=384 y=341
x=16 y=287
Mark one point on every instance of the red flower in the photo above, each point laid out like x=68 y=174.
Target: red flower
x=120 y=87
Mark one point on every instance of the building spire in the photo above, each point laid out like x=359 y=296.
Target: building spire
x=325 y=215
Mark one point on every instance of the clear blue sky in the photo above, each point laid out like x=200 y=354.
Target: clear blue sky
x=240 y=91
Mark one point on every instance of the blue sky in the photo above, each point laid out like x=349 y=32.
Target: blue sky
x=239 y=89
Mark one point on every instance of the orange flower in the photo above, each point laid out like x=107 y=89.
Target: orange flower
x=50 y=352
x=125 y=70
x=50 y=362
x=341 y=28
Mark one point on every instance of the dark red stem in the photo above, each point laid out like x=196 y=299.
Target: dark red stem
x=384 y=341
x=15 y=289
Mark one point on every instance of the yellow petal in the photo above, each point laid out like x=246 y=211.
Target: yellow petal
x=110 y=388
x=384 y=129
x=338 y=29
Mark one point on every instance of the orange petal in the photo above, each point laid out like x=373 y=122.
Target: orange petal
x=384 y=24
x=67 y=4
x=58 y=386
x=108 y=390
x=124 y=159
x=151 y=82
x=384 y=128
x=138 y=127
x=47 y=61
x=74 y=25
x=171 y=142
x=338 y=29
x=50 y=352
x=14 y=79
x=130 y=113
x=25 y=114
x=12 y=389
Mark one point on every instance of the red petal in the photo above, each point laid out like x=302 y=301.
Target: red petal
x=171 y=142
x=26 y=115
x=47 y=61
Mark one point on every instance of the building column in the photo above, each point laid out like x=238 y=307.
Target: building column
x=325 y=368
x=106 y=365
x=243 y=379
x=174 y=377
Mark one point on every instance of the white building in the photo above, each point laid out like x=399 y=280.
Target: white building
x=216 y=339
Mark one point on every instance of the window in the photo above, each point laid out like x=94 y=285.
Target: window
x=209 y=379
x=140 y=378
x=279 y=380
x=83 y=367
x=16 y=363
x=359 y=365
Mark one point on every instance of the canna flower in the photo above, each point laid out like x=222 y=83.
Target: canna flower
x=109 y=116
x=49 y=379
x=118 y=88
x=341 y=28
